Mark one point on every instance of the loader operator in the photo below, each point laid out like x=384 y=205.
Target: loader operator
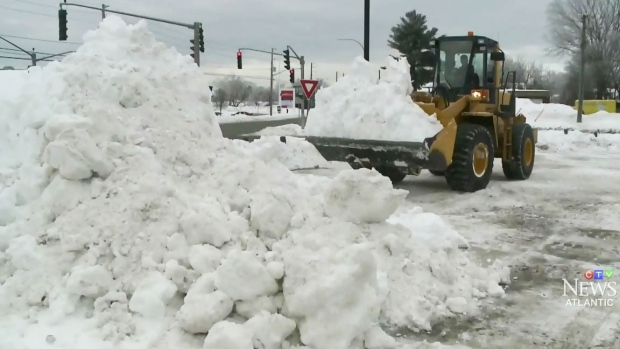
x=466 y=74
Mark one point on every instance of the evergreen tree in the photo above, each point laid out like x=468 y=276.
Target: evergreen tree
x=410 y=37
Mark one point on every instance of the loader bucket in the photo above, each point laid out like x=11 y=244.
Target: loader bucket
x=408 y=156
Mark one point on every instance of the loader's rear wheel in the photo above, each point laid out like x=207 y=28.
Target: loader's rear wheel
x=437 y=173
x=523 y=152
x=472 y=161
x=393 y=173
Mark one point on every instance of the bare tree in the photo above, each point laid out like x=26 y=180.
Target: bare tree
x=237 y=90
x=602 y=36
x=220 y=96
x=529 y=74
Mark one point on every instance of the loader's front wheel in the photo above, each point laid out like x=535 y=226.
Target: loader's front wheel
x=472 y=161
x=393 y=173
x=523 y=153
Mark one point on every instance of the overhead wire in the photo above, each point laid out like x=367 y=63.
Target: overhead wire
x=40 y=14
x=26 y=59
x=48 y=6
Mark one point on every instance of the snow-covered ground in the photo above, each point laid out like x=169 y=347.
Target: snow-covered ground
x=558 y=224
x=128 y=221
x=559 y=116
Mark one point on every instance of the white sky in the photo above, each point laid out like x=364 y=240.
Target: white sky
x=310 y=27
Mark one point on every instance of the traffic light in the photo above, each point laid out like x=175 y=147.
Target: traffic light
x=287 y=59
x=239 y=60
x=192 y=48
x=62 y=25
x=292 y=74
x=202 y=40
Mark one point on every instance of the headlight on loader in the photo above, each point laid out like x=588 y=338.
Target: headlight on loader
x=480 y=95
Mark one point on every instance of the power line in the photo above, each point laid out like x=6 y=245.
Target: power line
x=14 y=49
x=26 y=59
x=48 y=6
x=42 y=40
x=39 y=14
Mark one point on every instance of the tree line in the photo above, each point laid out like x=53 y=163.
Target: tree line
x=234 y=91
x=602 y=72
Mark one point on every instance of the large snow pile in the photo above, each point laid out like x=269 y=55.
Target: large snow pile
x=126 y=217
x=358 y=107
x=11 y=81
x=559 y=116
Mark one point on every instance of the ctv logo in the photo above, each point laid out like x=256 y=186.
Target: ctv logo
x=598 y=290
x=598 y=274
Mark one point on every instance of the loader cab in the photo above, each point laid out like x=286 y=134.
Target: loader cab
x=466 y=63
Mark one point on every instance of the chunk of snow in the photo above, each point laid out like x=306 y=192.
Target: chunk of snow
x=152 y=295
x=295 y=154
x=229 y=335
x=362 y=196
x=198 y=314
x=242 y=276
x=358 y=107
x=270 y=330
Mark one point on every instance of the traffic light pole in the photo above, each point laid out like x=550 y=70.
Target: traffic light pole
x=197 y=26
x=271 y=86
x=33 y=56
x=302 y=62
x=194 y=26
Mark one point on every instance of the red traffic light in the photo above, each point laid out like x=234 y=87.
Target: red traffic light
x=292 y=71
x=238 y=54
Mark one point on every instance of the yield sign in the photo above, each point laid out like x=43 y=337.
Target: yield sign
x=309 y=87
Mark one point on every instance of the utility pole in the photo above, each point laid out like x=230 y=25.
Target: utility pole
x=582 y=69
x=367 y=30
x=103 y=7
x=271 y=86
x=311 y=71
x=336 y=76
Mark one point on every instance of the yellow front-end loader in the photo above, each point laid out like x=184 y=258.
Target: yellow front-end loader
x=478 y=115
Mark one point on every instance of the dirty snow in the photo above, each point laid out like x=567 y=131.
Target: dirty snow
x=129 y=222
x=358 y=107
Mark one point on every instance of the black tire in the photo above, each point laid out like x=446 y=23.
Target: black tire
x=437 y=173
x=523 y=152
x=461 y=175
x=393 y=173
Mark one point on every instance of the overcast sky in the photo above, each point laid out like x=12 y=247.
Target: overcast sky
x=312 y=28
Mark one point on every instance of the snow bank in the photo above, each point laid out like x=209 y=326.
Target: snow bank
x=295 y=154
x=284 y=130
x=358 y=107
x=10 y=82
x=558 y=141
x=559 y=116
x=128 y=221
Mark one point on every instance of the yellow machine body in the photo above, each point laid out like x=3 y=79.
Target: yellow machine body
x=477 y=108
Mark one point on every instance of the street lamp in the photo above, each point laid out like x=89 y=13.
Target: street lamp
x=359 y=43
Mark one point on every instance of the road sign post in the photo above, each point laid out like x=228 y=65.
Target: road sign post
x=309 y=88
